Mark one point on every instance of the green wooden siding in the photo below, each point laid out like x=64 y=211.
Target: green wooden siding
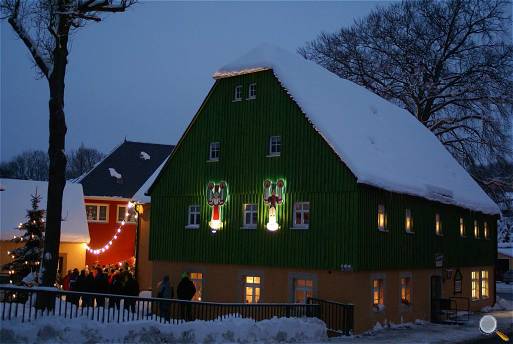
x=243 y=129
x=343 y=214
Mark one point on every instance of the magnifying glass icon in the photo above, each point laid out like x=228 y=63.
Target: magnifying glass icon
x=488 y=325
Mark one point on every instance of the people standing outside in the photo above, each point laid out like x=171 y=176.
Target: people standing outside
x=165 y=291
x=185 y=291
x=131 y=288
x=100 y=286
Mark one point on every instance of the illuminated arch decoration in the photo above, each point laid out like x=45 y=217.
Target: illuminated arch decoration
x=216 y=197
x=273 y=196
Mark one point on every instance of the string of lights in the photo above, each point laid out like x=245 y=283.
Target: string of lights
x=108 y=245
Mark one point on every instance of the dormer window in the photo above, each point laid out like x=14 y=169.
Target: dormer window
x=252 y=91
x=274 y=145
x=237 y=95
x=215 y=149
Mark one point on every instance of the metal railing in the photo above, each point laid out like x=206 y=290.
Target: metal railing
x=23 y=303
x=339 y=317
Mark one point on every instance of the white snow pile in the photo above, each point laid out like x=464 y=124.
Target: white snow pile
x=500 y=305
x=381 y=143
x=114 y=173
x=144 y=156
x=230 y=330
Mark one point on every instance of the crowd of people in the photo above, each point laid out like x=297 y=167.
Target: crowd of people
x=102 y=280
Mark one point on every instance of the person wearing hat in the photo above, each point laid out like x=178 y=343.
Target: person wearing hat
x=185 y=291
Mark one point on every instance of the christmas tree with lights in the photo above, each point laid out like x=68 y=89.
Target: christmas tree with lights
x=26 y=258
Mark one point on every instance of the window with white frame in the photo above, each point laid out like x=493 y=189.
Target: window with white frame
x=406 y=290
x=215 y=149
x=438 y=225
x=249 y=215
x=275 y=145
x=485 y=230
x=237 y=95
x=193 y=216
x=408 y=221
x=252 y=289
x=97 y=212
x=484 y=284
x=197 y=280
x=127 y=216
x=378 y=292
x=301 y=214
x=303 y=289
x=476 y=229
x=462 y=227
x=475 y=285
x=382 y=218
x=252 y=91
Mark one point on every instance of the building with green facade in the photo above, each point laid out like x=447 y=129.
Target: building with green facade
x=291 y=182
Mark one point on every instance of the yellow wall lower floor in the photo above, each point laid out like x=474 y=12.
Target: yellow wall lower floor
x=225 y=283
x=73 y=254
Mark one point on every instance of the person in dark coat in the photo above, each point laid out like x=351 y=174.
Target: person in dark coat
x=116 y=288
x=73 y=286
x=165 y=291
x=185 y=291
x=131 y=288
x=100 y=286
x=85 y=285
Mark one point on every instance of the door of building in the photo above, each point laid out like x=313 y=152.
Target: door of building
x=436 y=296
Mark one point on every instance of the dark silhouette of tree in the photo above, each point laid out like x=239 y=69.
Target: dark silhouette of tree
x=82 y=160
x=45 y=27
x=449 y=63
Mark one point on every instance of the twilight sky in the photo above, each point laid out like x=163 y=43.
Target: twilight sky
x=143 y=74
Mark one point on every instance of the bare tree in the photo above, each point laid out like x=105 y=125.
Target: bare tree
x=82 y=160
x=449 y=63
x=45 y=26
x=31 y=165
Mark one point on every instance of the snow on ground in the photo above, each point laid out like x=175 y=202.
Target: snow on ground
x=230 y=330
x=504 y=288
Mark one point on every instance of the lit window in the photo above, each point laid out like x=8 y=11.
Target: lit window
x=129 y=216
x=252 y=289
x=215 y=148
x=97 y=213
x=408 y=221
x=301 y=214
x=194 y=216
x=250 y=215
x=252 y=91
x=197 y=279
x=485 y=226
x=484 y=284
x=475 y=285
x=462 y=227
x=382 y=218
x=378 y=292
x=438 y=225
x=406 y=290
x=476 y=229
x=238 y=93
x=275 y=145
x=303 y=289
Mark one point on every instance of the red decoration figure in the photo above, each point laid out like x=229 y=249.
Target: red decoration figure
x=273 y=195
x=216 y=198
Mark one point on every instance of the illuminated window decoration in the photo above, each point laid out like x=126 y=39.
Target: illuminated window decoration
x=485 y=230
x=476 y=229
x=382 y=218
x=462 y=227
x=108 y=245
x=475 y=285
x=484 y=284
x=406 y=290
x=408 y=221
x=438 y=225
x=273 y=195
x=216 y=196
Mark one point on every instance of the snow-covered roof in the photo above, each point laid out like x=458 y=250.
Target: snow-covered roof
x=382 y=144
x=140 y=196
x=15 y=199
x=506 y=251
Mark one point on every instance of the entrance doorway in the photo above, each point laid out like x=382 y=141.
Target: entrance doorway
x=436 y=296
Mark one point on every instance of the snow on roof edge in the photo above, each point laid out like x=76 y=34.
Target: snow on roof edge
x=479 y=201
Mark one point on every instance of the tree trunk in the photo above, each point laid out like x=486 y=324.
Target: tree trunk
x=57 y=169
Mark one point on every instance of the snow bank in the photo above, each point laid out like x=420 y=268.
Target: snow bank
x=229 y=330
x=500 y=305
x=15 y=199
x=381 y=143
